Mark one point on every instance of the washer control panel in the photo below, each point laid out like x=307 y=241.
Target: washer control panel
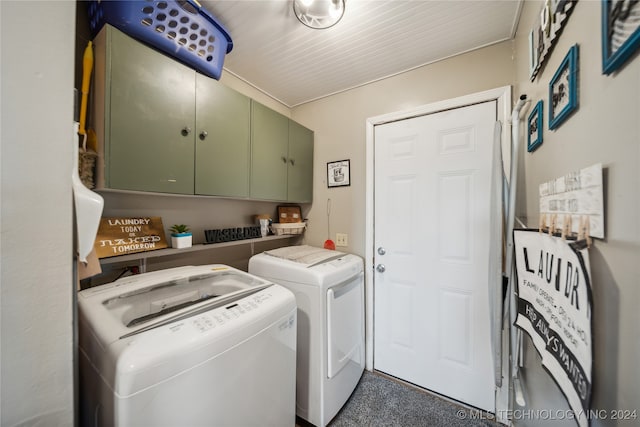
x=234 y=310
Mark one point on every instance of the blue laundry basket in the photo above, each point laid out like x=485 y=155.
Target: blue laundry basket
x=181 y=28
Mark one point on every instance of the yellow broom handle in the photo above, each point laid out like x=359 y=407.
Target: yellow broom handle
x=87 y=66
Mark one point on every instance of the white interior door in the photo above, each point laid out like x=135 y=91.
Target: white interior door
x=431 y=213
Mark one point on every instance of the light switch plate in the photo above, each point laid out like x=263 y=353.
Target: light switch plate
x=342 y=239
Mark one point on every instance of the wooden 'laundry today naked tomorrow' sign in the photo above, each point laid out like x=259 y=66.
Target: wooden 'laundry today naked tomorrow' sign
x=120 y=236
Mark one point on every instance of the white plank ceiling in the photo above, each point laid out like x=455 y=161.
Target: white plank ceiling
x=375 y=39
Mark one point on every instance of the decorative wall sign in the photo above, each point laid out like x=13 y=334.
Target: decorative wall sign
x=620 y=32
x=554 y=309
x=231 y=234
x=535 y=125
x=575 y=196
x=553 y=17
x=119 y=236
x=563 y=89
x=338 y=174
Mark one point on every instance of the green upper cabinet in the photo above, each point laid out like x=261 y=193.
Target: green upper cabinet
x=281 y=157
x=149 y=116
x=223 y=123
x=162 y=127
x=300 y=167
x=269 y=151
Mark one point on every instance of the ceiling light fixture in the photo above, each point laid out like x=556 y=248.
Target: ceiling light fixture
x=318 y=14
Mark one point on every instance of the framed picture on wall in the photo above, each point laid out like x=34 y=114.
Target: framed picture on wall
x=620 y=32
x=338 y=174
x=534 y=126
x=563 y=89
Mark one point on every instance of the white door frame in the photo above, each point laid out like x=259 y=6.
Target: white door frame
x=503 y=97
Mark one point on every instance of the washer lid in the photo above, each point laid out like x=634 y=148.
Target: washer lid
x=323 y=274
x=308 y=256
x=142 y=302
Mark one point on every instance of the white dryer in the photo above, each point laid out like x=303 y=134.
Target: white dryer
x=329 y=290
x=188 y=346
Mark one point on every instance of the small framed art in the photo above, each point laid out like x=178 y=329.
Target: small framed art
x=338 y=174
x=620 y=32
x=563 y=89
x=534 y=126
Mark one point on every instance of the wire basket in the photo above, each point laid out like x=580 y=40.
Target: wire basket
x=182 y=29
x=288 y=228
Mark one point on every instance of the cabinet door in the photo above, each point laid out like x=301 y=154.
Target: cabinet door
x=269 y=146
x=223 y=126
x=149 y=137
x=300 y=173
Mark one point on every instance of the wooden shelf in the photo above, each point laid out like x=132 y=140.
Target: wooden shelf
x=143 y=256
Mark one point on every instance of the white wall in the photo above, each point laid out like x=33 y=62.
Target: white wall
x=606 y=129
x=37 y=40
x=339 y=125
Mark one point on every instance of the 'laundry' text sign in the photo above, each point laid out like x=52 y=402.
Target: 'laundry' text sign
x=554 y=308
x=119 y=236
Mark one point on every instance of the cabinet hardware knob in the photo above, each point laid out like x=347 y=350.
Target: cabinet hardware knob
x=380 y=268
x=284 y=159
x=186 y=131
x=381 y=250
x=203 y=135
x=292 y=161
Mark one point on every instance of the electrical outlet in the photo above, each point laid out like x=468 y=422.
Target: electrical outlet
x=342 y=239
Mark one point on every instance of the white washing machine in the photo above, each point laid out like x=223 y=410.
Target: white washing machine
x=188 y=346
x=329 y=290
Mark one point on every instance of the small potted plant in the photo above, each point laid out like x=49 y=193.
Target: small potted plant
x=180 y=236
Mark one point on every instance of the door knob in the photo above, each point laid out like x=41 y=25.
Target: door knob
x=381 y=251
x=380 y=268
x=203 y=135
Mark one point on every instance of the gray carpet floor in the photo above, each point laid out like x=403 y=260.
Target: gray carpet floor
x=382 y=401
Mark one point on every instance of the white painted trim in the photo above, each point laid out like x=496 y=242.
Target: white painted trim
x=503 y=97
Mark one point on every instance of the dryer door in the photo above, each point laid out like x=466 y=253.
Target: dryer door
x=345 y=324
